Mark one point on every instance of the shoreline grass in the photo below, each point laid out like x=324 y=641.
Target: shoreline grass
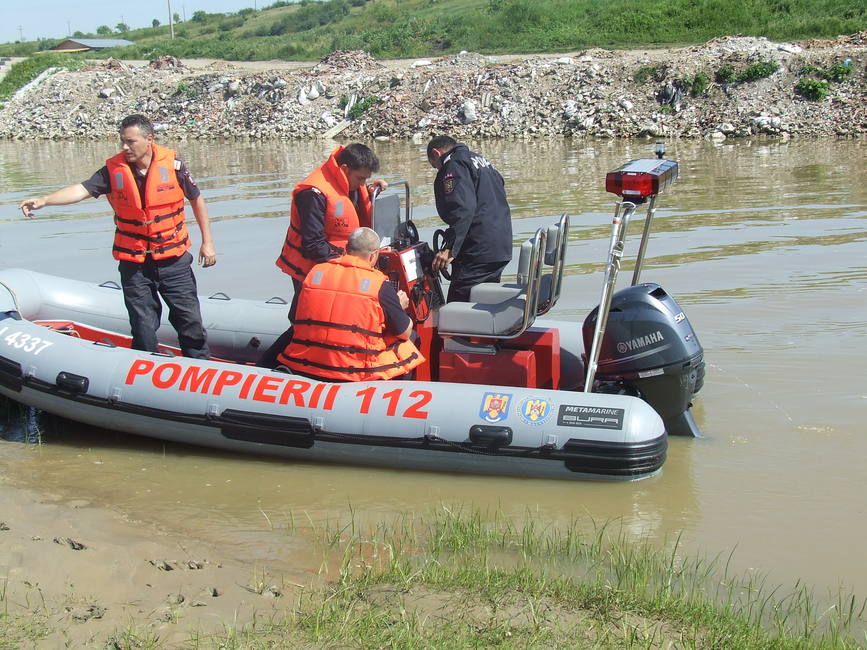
x=464 y=579
x=599 y=588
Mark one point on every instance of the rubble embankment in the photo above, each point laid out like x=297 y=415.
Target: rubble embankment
x=594 y=93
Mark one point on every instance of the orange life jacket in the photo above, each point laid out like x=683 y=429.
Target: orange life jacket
x=341 y=217
x=157 y=227
x=340 y=326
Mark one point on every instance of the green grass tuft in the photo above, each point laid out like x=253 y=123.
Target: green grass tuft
x=360 y=107
x=725 y=75
x=650 y=73
x=757 y=71
x=697 y=84
x=837 y=72
x=812 y=89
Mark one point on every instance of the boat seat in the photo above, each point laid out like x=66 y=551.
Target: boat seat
x=555 y=256
x=550 y=282
x=503 y=318
x=386 y=218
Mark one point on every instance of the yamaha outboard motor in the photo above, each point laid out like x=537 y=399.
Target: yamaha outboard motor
x=638 y=341
x=650 y=350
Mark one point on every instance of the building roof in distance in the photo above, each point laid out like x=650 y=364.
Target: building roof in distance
x=91 y=43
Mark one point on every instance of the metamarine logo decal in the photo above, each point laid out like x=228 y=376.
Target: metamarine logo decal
x=573 y=415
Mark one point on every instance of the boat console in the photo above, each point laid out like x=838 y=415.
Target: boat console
x=404 y=259
x=492 y=339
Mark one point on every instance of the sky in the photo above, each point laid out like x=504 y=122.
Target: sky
x=34 y=19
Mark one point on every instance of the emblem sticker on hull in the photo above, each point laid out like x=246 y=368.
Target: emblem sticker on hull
x=495 y=407
x=590 y=416
x=535 y=411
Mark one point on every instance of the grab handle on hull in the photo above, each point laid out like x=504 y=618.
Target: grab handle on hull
x=72 y=383
x=489 y=436
x=266 y=428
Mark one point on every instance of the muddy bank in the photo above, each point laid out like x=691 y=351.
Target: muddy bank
x=77 y=575
x=677 y=93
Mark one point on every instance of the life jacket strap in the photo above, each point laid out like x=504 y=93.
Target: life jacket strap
x=355 y=329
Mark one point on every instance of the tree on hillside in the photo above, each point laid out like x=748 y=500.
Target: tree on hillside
x=121 y=28
x=78 y=34
x=176 y=17
x=199 y=17
x=155 y=22
x=103 y=30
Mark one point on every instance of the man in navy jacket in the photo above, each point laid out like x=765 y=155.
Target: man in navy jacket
x=471 y=198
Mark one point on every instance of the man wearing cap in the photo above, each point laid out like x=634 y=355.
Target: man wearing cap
x=471 y=198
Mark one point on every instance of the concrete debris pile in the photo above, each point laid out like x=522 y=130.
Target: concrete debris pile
x=858 y=38
x=109 y=64
x=346 y=60
x=595 y=93
x=165 y=61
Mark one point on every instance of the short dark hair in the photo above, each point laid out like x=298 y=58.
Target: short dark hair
x=358 y=156
x=144 y=124
x=443 y=142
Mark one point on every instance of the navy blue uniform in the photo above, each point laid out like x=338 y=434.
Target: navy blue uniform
x=471 y=198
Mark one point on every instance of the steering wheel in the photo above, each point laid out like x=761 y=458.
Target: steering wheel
x=408 y=230
x=441 y=242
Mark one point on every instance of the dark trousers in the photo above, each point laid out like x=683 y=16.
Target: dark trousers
x=269 y=356
x=467 y=275
x=173 y=279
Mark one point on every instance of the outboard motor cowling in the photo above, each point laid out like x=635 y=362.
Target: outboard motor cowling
x=650 y=349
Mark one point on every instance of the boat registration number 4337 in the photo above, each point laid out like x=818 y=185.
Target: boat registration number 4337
x=24 y=341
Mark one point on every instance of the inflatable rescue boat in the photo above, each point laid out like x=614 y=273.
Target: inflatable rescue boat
x=503 y=391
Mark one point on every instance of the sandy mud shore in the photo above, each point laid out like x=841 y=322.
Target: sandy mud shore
x=82 y=574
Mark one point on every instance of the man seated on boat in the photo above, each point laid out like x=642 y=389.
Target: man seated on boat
x=146 y=185
x=471 y=198
x=327 y=206
x=350 y=322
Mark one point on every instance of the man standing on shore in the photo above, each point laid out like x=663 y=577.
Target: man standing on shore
x=146 y=185
x=471 y=198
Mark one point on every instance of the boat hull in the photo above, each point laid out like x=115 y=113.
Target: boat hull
x=238 y=407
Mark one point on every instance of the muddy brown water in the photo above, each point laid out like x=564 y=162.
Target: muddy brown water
x=762 y=243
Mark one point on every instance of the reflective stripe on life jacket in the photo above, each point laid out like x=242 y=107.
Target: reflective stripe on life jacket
x=341 y=216
x=157 y=227
x=339 y=326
